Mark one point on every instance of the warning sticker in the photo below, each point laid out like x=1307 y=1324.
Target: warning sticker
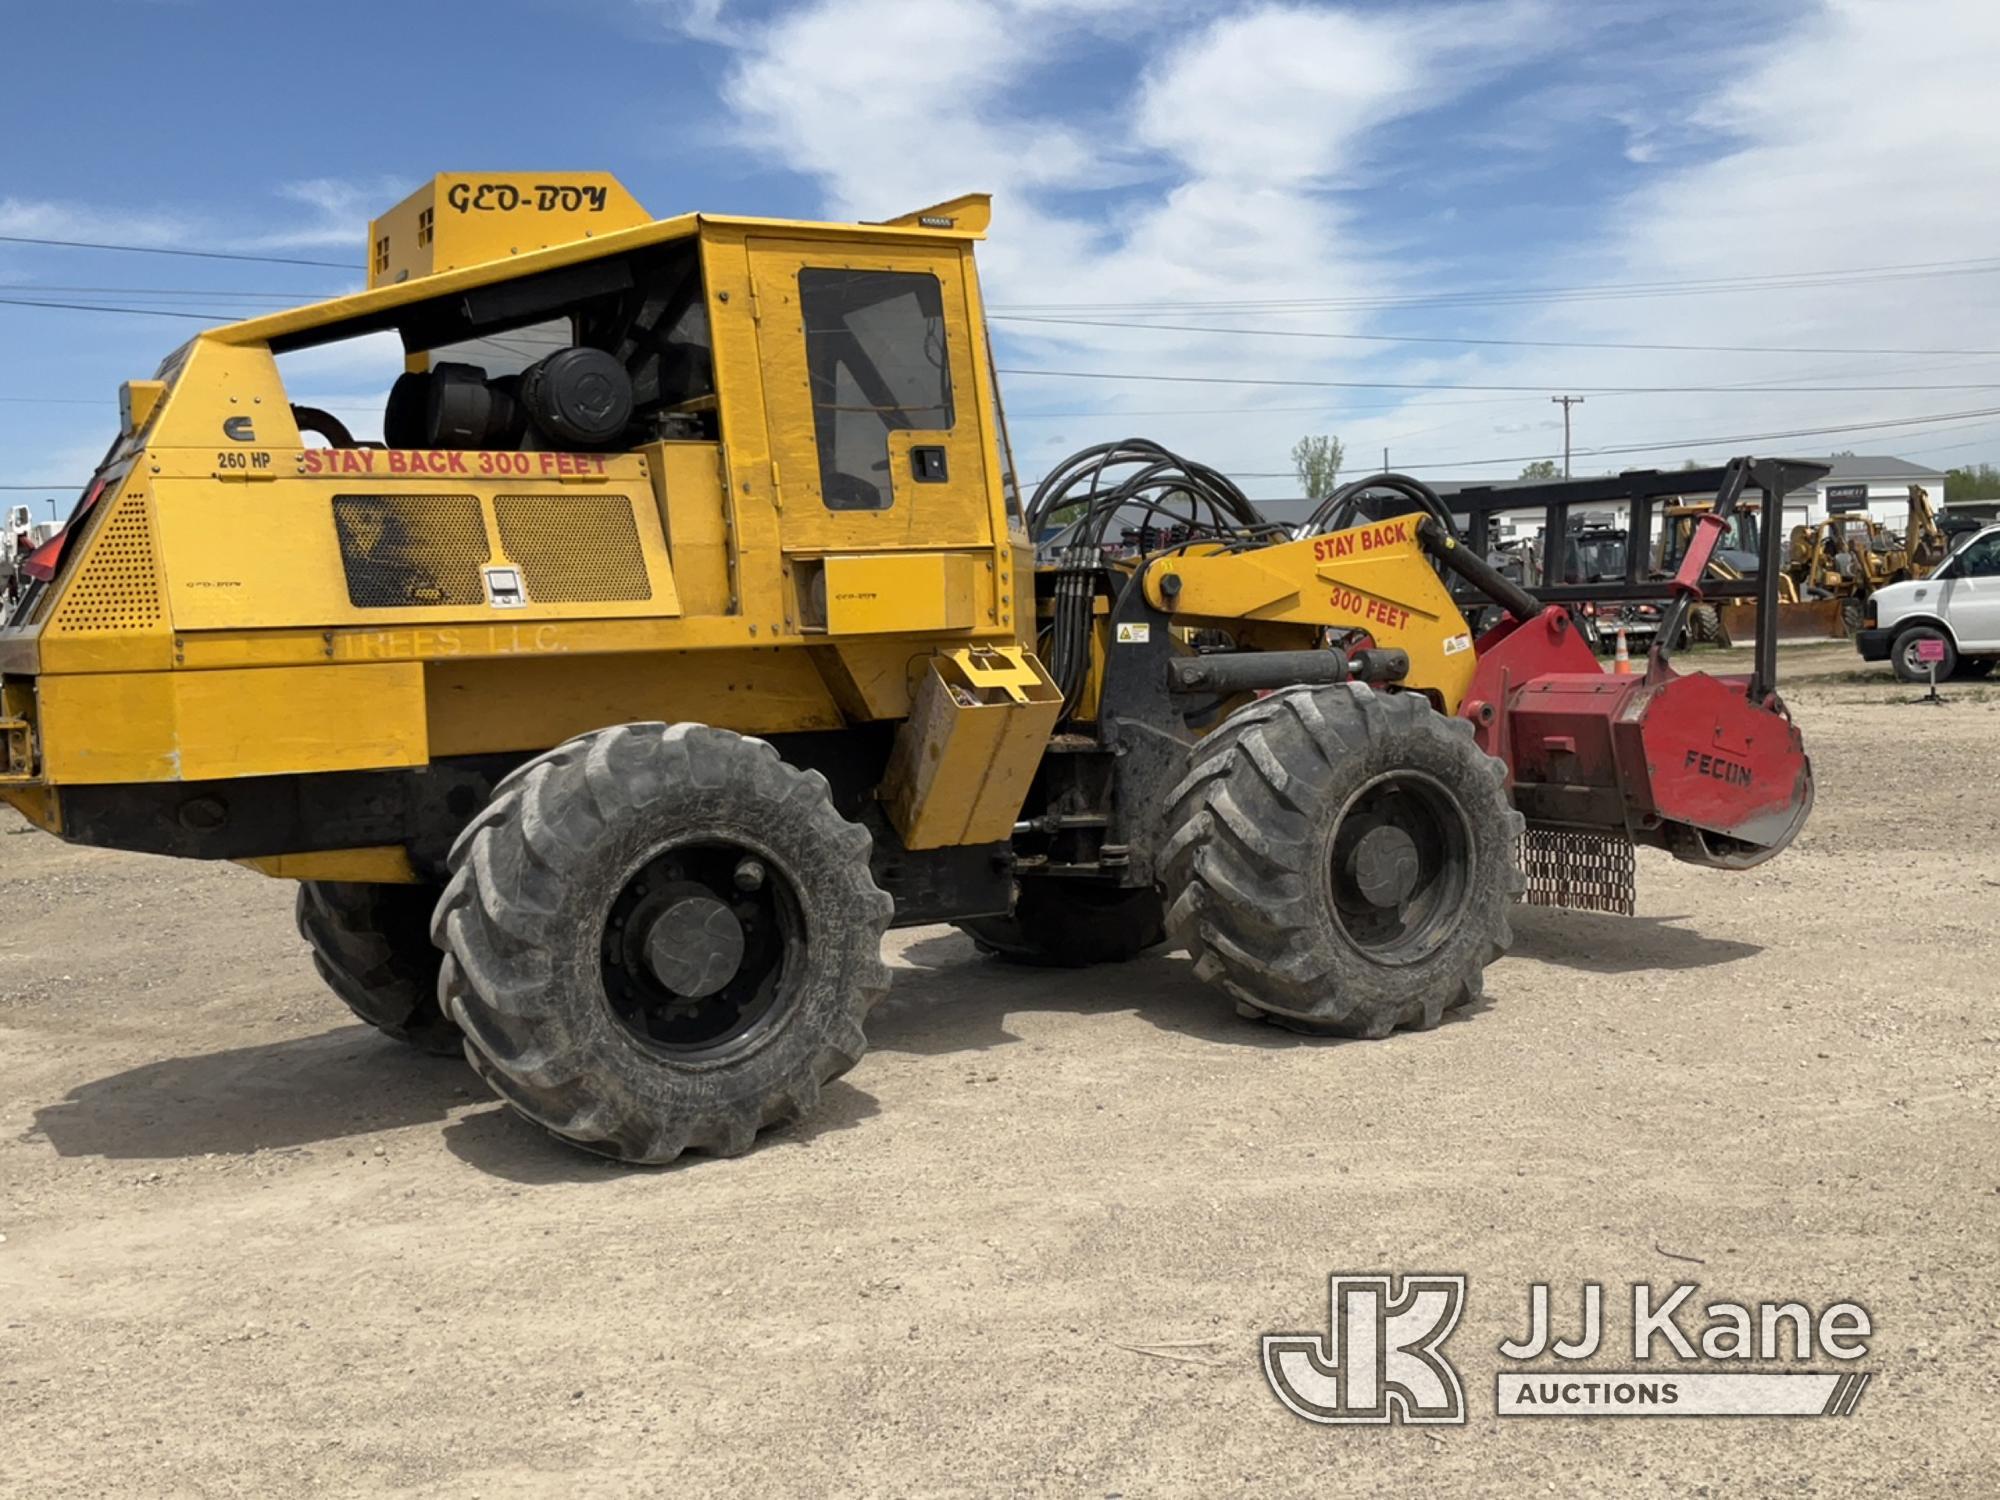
x=1134 y=635
x=1457 y=643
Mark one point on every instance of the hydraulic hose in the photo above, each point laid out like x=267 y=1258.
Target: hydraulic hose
x=1337 y=511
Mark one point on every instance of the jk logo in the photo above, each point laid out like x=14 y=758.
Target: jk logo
x=1378 y=1361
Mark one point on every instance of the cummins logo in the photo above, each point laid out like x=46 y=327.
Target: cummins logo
x=1379 y=1359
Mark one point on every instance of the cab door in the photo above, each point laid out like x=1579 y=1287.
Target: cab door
x=875 y=425
x=1971 y=603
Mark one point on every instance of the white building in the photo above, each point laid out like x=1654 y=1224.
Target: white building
x=1876 y=484
x=1867 y=482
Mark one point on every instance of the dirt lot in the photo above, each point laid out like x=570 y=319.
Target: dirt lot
x=252 y=1249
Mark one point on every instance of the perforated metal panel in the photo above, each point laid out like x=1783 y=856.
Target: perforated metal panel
x=411 y=551
x=574 y=549
x=1580 y=870
x=116 y=590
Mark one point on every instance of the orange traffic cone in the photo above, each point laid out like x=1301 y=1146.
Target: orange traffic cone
x=1621 y=659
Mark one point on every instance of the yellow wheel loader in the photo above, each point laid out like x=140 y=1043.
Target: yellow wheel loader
x=1849 y=555
x=1735 y=622
x=684 y=629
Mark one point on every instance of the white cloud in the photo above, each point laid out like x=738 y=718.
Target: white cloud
x=1222 y=157
x=883 y=125
x=1861 y=138
x=317 y=212
x=704 y=20
x=55 y=219
x=1857 y=136
x=1287 y=94
x=339 y=210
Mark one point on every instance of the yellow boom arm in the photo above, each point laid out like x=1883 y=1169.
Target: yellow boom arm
x=1375 y=578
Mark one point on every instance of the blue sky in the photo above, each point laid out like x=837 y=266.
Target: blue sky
x=1268 y=174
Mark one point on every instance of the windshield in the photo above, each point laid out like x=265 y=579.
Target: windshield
x=1740 y=535
x=1963 y=543
x=1592 y=559
x=1965 y=539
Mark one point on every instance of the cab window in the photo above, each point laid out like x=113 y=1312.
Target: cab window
x=1981 y=559
x=876 y=358
x=1010 y=488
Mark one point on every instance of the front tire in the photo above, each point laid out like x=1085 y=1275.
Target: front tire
x=1903 y=655
x=662 y=938
x=372 y=946
x=1342 y=861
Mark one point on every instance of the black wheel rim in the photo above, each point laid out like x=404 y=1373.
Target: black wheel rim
x=701 y=951
x=1401 y=867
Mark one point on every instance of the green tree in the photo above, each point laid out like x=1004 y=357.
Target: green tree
x=1978 y=482
x=1318 y=461
x=1542 y=468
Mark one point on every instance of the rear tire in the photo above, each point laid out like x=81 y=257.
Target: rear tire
x=372 y=946
x=1704 y=624
x=1903 y=655
x=1342 y=861
x=662 y=938
x=1852 y=616
x=1069 y=924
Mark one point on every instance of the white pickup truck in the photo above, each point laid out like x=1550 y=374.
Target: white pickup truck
x=1958 y=604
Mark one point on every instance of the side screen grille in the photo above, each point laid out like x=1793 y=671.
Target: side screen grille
x=1579 y=868
x=116 y=589
x=574 y=549
x=405 y=551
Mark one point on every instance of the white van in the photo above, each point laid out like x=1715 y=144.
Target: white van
x=1958 y=604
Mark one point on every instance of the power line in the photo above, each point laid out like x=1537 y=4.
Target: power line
x=1983 y=441
x=1959 y=418
x=142 y=312
x=1460 y=463
x=164 y=291
x=1412 y=338
x=274 y=260
x=1602 y=291
x=1224 y=411
x=1018 y=312
x=1694 y=442
x=1397 y=385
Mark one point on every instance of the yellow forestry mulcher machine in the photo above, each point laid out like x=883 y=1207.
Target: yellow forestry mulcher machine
x=685 y=630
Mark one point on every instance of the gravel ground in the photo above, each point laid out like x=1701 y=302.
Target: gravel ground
x=1028 y=1246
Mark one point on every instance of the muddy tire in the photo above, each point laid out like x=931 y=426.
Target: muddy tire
x=1069 y=924
x=372 y=946
x=1704 y=624
x=1853 y=617
x=662 y=938
x=1342 y=861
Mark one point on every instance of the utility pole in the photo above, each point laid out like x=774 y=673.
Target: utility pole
x=1566 y=402
x=1385 y=459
